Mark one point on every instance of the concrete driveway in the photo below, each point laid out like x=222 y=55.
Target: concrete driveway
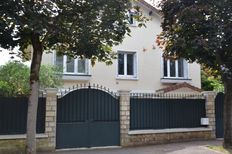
x=194 y=147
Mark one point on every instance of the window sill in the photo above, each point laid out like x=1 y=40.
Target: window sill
x=175 y=80
x=127 y=78
x=82 y=77
x=174 y=130
x=133 y=25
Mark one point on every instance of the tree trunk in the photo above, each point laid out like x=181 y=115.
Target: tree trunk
x=228 y=113
x=34 y=94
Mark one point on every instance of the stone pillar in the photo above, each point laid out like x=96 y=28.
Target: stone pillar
x=50 y=121
x=210 y=110
x=124 y=116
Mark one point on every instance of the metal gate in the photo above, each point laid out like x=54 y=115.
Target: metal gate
x=88 y=117
x=219 y=103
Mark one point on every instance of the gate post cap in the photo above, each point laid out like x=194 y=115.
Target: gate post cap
x=206 y=93
x=124 y=92
x=51 y=90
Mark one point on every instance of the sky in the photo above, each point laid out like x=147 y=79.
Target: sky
x=6 y=57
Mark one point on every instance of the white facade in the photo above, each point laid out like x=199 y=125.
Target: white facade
x=148 y=74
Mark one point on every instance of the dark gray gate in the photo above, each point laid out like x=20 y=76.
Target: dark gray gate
x=219 y=103
x=88 y=117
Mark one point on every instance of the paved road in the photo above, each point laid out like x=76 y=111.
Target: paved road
x=195 y=147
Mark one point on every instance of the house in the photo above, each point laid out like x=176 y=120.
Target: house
x=140 y=66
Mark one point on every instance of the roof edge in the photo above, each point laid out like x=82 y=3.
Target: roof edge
x=146 y=4
x=178 y=86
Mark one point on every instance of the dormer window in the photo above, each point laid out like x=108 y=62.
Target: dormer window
x=131 y=18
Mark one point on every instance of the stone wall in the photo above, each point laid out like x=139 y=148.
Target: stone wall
x=210 y=110
x=47 y=142
x=160 y=138
x=18 y=146
x=124 y=116
x=128 y=138
x=50 y=121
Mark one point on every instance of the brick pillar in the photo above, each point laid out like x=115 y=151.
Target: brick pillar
x=50 y=121
x=210 y=110
x=124 y=116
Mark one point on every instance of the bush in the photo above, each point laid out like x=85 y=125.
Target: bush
x=210 y=83
x=50 y=77
x=14 y=78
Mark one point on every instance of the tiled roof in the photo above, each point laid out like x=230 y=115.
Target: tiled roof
x=178 y=86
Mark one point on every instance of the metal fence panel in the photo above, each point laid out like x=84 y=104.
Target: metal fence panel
x=219 y=110
x=13 y=115
x=164 y=113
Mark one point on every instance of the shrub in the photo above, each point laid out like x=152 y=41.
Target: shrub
x=14 y=78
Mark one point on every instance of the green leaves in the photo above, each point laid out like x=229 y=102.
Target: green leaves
x=50 y=77
x=14 y=78
x=73 y=27
x=198 y=30
x=210 y=83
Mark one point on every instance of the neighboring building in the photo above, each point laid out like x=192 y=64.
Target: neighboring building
x=140 y=66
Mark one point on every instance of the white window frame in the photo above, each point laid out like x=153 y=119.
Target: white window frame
x=135 y=68
x=65 y=58
x=130 y=13
x=186 y=69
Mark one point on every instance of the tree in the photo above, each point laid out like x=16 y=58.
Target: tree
x=200 y=30
x=50 y=77
x=76 y=28
x=210 y=83
x=14 y=78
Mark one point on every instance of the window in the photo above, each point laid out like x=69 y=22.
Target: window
x=131 y=18
x=175 y=68
x=127 y=64
x=72 y=66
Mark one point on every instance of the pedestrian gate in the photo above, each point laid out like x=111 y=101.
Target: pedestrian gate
x=88 y=117
x=219 y=104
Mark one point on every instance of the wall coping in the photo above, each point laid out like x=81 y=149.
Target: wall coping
x=20 y=136
x=209 y=93
x=124 y=91
x=51 y=90
x=174 y=130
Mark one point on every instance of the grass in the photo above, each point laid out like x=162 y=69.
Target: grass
x=218 y=148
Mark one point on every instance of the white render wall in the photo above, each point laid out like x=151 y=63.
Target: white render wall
x=149 y=62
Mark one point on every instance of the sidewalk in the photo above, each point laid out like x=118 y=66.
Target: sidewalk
x=194 y=147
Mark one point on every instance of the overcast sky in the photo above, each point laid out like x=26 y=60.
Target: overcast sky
x=6 y=57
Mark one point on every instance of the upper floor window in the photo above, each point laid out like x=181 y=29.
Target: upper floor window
x=72 y=66
x=127 y=64
x=131 y=18
x=175 y=68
